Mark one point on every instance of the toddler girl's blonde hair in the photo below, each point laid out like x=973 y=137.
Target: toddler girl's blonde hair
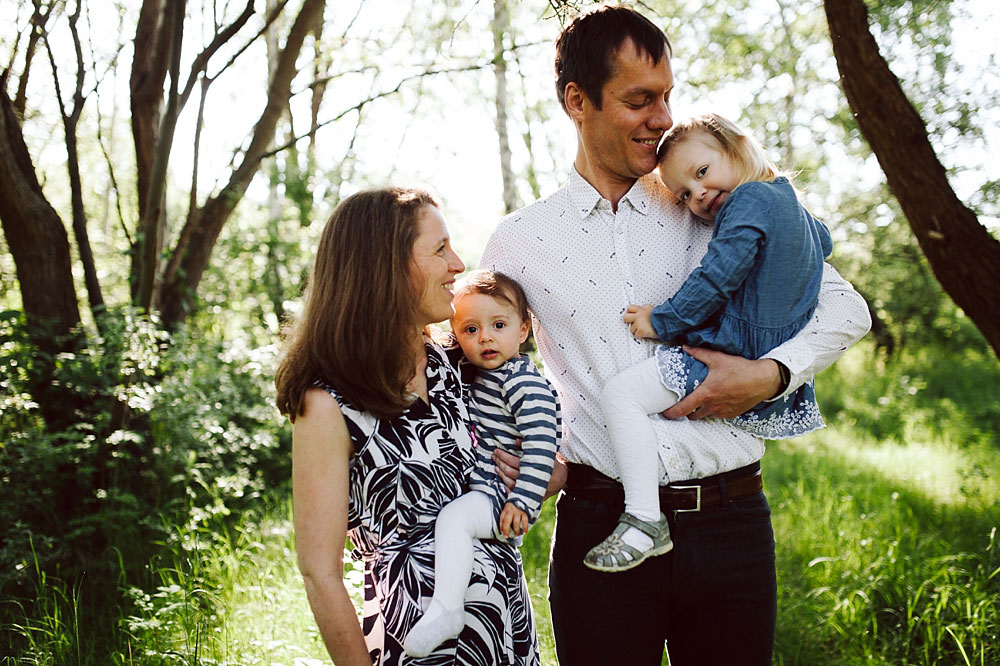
x=750 y=161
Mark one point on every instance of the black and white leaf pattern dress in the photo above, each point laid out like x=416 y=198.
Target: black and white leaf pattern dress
x=403 y=472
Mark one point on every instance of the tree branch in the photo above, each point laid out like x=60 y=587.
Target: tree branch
x=267 y=23
x=370 y=99
x=201 y=60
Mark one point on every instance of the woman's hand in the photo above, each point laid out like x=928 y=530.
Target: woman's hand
x=637 y=316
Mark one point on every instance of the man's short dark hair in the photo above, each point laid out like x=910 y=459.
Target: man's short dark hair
x=586 y=48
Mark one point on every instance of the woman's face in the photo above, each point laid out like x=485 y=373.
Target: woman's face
x=433 y=267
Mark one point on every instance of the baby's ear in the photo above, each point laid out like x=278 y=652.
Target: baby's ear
x=525 y=328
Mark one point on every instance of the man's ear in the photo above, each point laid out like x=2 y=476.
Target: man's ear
x=575 y=100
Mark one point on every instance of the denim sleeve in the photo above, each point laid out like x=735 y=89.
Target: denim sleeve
x=740 y=230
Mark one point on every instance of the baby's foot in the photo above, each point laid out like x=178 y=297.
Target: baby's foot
x=436 y=626
x=632 y=543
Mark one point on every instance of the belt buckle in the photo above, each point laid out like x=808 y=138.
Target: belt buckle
x=697 y=501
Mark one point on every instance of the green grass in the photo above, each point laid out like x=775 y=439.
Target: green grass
x=887 y=554
x=886 y=524
x=226 y=596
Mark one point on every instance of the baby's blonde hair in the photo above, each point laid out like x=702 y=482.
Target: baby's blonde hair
x=750 y=161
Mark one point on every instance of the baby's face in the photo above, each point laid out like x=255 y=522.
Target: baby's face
x=488 y=329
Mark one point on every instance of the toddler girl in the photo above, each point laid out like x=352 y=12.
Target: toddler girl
x=756 y=287
x=509 y=401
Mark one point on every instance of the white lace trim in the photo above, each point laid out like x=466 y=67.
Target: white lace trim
x=781 y=424
x=805 y=418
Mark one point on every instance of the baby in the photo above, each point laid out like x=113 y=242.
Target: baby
x=509 y=401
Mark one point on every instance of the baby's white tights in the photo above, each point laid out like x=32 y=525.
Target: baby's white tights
x=464 y=519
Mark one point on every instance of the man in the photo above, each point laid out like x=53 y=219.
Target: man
x=614 y=236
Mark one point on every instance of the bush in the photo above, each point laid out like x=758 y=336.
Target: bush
x=161 y=433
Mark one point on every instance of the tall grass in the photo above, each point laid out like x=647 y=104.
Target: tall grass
x=226 y=594
x=888 y=551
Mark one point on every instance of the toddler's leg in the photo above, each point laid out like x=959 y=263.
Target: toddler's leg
x=462 y=520
x=626 y=402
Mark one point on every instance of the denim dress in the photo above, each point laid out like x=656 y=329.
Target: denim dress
x=756 y=287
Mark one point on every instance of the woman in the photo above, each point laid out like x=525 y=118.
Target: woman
x=381 y=440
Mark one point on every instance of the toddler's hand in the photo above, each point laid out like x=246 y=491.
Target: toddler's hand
x=513 y=519
x=637 y=316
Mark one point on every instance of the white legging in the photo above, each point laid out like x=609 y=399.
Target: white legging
x=463 y=519
x=627 y=402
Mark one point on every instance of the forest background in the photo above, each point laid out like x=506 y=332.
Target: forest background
x=165 y=169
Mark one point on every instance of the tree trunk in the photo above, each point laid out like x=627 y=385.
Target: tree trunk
x=150 y=60
x=964 y=256
x=501 y=26
x=71 y=121
x=35 y=235
x=152 y=225
x=38 y=242
x=194 y=247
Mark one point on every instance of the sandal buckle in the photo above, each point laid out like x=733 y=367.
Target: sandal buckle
x=697 y=498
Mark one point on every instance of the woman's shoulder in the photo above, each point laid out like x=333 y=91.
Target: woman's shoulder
x=320 y=409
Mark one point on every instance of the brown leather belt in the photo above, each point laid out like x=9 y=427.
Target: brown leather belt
x=693 y=495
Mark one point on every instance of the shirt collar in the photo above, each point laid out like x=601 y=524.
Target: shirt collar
x=585 y=198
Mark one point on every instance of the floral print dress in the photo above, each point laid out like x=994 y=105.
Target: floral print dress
x=404 y=470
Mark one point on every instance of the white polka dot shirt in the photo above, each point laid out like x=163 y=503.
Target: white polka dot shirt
x=581 y=264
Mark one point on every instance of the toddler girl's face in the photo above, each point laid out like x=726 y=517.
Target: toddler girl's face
x=488 y=329
x=699 y=174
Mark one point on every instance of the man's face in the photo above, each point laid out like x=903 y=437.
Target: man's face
x=621 y=137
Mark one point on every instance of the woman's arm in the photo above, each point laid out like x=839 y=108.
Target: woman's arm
x=321 y=451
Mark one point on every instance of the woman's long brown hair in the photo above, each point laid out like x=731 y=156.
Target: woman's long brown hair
x=355 y=330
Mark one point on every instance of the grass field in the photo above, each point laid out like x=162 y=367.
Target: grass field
x=887 y=555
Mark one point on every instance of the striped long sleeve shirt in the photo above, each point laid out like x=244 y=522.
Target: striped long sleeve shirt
x=507 y=404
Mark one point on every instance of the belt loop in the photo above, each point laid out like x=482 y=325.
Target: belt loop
x=723 y=491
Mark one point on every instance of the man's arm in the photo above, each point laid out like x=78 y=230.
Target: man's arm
x=735 y=384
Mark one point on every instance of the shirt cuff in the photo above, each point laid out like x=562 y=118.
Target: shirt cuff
x=790 y=379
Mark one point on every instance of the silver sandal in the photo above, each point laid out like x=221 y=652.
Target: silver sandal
x=613 y=554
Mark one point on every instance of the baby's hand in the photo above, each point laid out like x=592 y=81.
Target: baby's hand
x=638 y=318
x=513 y=519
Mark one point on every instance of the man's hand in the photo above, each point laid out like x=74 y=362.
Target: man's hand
x=637 y=317
x=508 y=468
x=734 y=385
x=513 y=519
